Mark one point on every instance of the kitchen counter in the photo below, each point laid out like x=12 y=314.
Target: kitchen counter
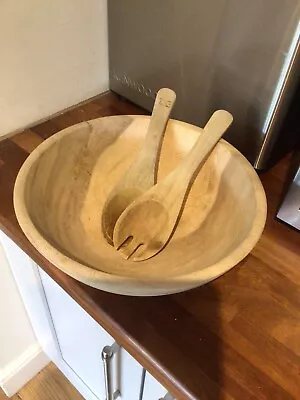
x=234 y=338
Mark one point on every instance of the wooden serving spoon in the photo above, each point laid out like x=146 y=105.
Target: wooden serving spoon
x=141 y=175
x=147 y=224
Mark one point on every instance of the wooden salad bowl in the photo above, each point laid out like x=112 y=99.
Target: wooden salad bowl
x=62 y=187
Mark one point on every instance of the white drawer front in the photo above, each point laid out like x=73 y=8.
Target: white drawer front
x=81 y=340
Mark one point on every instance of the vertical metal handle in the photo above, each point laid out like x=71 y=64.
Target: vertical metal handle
x=106 y=355
x=141 y=395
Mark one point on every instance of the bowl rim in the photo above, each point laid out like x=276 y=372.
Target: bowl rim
x=108 y=281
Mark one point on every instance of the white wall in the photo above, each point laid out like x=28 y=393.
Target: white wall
x=53 y=55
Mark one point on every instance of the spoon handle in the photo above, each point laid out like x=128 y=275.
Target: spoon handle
x=164 y=102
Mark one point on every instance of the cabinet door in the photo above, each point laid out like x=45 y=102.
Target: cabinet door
x=81 y=340
x=153 y=390
x=28 y=280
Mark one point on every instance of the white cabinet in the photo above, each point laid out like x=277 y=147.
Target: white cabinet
x=79 y=337
x=81 y=340
x=153 y=390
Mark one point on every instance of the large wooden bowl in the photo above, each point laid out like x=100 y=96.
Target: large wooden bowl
x=61 y=189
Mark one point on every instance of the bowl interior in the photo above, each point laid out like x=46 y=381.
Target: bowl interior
x=68 y=183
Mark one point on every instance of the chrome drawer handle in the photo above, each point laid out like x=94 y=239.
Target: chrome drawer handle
x=106 y=355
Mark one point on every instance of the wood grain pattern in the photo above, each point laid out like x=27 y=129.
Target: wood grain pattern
x=49 y=384
x=59 y=205
x=3 y=397
x=27 y=140
x=234 y=338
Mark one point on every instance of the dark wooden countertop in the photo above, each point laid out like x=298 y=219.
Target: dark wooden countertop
x=237 y=337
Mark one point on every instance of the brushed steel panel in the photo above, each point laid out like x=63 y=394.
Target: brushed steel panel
x=232 y=54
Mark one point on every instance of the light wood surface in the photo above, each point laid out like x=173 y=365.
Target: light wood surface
x=49 y=384
x=63 y=185
x=3 y=397
x=146 y=225
x=141 y=174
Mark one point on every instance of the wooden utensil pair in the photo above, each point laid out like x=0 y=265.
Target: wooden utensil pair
x=139 y=216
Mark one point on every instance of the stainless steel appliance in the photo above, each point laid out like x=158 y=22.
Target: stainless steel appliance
x=239 y=55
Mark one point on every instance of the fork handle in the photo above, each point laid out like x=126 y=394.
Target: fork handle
x=215 y=128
